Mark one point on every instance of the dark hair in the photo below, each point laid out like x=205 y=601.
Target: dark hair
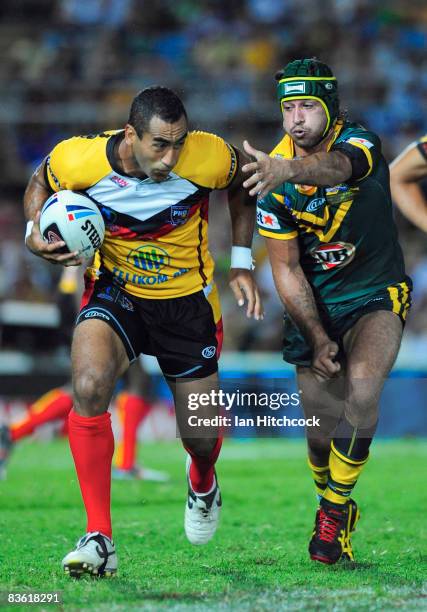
x=155 y=101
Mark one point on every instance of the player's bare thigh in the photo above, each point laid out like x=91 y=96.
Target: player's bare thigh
x=323 y=399
x=98 y=359
x=371 y=347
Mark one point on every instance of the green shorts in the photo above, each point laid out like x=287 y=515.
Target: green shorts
x=337 y=319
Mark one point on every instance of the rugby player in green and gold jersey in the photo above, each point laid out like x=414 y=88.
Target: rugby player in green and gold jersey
x=324 y=207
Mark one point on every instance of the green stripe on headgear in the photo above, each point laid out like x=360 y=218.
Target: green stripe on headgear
x=309 y=78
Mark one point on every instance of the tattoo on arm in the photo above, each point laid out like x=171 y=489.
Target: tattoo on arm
x=297 y=296
x=323 y=168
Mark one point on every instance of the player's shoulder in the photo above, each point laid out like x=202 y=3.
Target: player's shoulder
x=79 y=162
x=356 y=134
x=207 y=160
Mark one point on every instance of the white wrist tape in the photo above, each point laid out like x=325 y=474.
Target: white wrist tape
x=28 y=230
x=241 y=257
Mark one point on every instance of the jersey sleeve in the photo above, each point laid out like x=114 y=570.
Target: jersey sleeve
x=208 y=161
x=274 y=219
x=422 y=146
x=362 y=147
x=76 y=163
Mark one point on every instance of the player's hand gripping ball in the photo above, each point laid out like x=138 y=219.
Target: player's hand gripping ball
x=75 y=219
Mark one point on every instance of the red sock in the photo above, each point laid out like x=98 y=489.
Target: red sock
x=132 y=411
x=92 y=447
x=52 y=406
x=202 y=469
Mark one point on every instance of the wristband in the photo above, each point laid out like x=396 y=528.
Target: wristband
x=28 y=230
x=241 y=257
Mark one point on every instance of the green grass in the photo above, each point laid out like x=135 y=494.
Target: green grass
x=258 y=559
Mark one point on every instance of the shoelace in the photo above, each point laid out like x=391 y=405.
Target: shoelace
x=328 y=527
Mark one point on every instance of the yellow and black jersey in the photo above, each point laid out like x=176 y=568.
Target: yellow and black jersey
x=156 y=241
x=422 y=146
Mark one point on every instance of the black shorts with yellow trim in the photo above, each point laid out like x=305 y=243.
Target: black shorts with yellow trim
x=184 y=333
x=337 y=319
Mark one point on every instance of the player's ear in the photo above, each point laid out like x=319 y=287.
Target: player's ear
x=130 y=134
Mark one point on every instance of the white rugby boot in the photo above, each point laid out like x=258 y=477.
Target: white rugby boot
x=202 y=512
x=94 y=554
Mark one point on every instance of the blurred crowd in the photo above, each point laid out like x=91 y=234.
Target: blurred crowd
x=73 y=66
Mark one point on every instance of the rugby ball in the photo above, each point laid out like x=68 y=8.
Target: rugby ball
x=75 y=219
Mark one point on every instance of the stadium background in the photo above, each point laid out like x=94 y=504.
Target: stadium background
x=71 y=67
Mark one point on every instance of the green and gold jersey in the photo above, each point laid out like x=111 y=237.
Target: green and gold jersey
x=346 y=233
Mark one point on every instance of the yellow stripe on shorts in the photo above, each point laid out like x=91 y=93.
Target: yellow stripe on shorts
x=394 y=296
x=399 y=296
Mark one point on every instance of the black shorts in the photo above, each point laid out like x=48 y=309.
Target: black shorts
x=180 y=332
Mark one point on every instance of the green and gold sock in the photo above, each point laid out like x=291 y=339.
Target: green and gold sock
x=349 y=453
x=320 y=476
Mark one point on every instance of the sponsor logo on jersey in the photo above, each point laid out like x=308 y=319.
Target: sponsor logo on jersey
x=179 y=214
x=148 y=258
x=333 y=254
x=118 y=180
x=267 y=219
x=366 y=143
x=209 y=352
x=336 y=189
x=295 y=88
x=315 y=204
x=122 y=277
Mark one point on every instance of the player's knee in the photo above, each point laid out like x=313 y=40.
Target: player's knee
x=92 y=391
x=319 y=445
x=361 y=411
x=202 y=447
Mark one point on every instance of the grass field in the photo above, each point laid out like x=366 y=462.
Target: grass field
x=258 y=559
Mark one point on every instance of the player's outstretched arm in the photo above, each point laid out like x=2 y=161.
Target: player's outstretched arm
x=322 y=169
x=242 y=213
x=35 y=196
x=405 y=173
x=297 y=296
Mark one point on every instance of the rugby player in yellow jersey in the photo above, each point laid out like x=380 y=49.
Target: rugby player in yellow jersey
x=406 y=172
x=155 y=293
x=325 y=210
